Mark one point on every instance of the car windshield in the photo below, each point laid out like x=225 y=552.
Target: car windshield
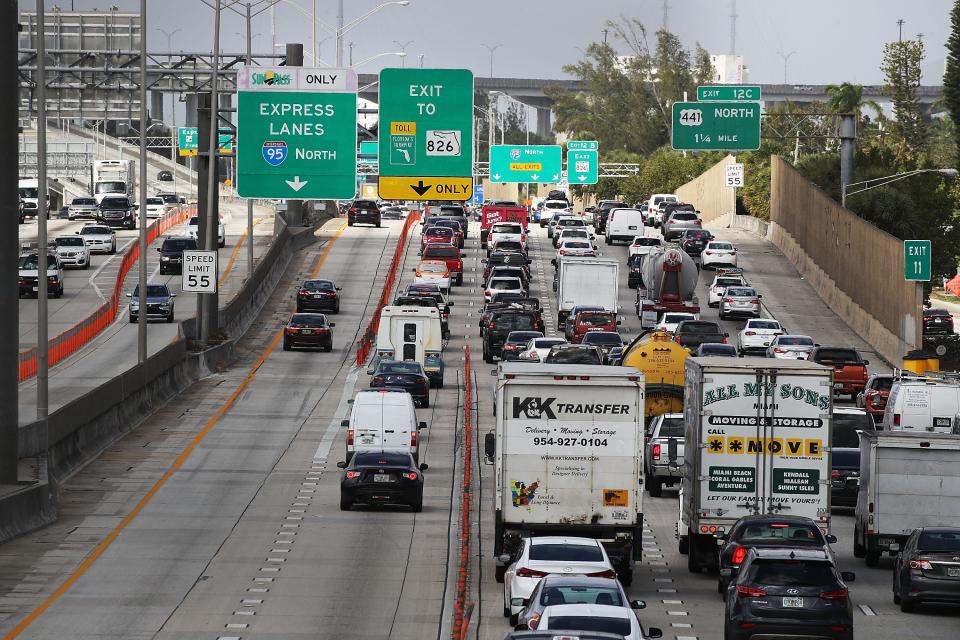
x=96 y=231
x=845 y=427
x=711 y=349
x=723 y=246
x=84 y=201
x=308 y=320
x=546 y=344
x=155 y=201
x=364 y=204
x=451 y=211
x=521 y=337
x=838 y=356
x=506 y=228
x=795 y=341
x=683 y=217
x=671 y=428
x=618 y=626
x=741 y=292
x=504 y=283
x=787 y=532
x=574 y=356
x=882 y=383
x=441 y=252
x=399 y=367
x=703 y=328
x=576 y=244
x=555 y=204
x=927 y=312
x=442 y=232
x=696 y=235
x=31 y=261
x=646 y=242
x=429 y=267
x=378 y=459
x=318 y=285
x=946 y=541
x=169 y=198
x=580 y=594
x=728 y=282
x=514 y=321
x=594 y=319
x=763 y=324
x=571 y=222
x=122 y=203
x=153 y=291
x=792 y=573
x=178 y=244
x=676 y=318
x=603 y=338
x=74 y=241
x=566 y=552
x=108 y=187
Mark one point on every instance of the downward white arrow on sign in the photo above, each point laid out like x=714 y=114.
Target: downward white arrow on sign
x=496 y=176
x=556 y=177
x=296 y=184
x=581 y=178
x=535 y=176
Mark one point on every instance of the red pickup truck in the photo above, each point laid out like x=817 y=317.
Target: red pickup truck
x=849 y=369
x=450 y=254
x=491 y=214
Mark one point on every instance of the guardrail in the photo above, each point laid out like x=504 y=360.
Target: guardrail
x=369 y=336
x=76 y=337
x=461 y=609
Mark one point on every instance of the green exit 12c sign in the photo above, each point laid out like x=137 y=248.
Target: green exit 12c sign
x=917 y=260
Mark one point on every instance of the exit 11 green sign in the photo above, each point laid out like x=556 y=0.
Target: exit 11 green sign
x=916 y=260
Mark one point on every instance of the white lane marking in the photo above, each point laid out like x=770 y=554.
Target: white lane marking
x=666 y=590
x=677 y=613
x=236 y=625
x=326 y=442
x=867 y=610
x=243 y=612
x=672 y=601
x=681 y=625
x=93 y=276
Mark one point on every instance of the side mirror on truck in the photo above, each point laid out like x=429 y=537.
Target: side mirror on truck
x=422 y=425
x=490 y=445
x=654 y=632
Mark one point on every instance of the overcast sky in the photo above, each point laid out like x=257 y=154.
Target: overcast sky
x=831 y=41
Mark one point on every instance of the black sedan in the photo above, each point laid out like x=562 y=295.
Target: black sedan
x=308 y=330
x=937 y=321
x=692 y=241
x=516 y=342
x=927 y=569
x=382 y=477
x=753 y=532
x=408 y=376
x=318 y=294
x=790 y=593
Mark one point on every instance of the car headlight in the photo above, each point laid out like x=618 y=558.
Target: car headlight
x=164 y=258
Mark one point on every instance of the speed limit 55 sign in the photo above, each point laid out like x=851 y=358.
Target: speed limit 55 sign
x=199 y=271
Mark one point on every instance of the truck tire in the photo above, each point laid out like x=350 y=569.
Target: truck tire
x=693 y=563
x=683 y=545
x=499 y=573
x=654 y=487
x=872 y=557
x=858 y=550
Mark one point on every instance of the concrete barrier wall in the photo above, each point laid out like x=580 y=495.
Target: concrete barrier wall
x=708 y=193
x=856 y=268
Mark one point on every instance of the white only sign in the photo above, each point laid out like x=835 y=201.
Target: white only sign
x=322 y=79
x=199 y=272
x=734 y=175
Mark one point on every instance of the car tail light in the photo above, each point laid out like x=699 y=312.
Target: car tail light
x=350 y=434
x=755 y=301
x=836 y=594
x=303 y=293
x=292 y=331
x=749 y=333
x=413 y=438
x=52 y=279
x=738 y=555
x=409 y=476
x=377 y=380
x=562 y=252
x=779 y=350
x=723 y=340
x=534 y=355
x=923 y=565
x=352 y=474
x=656 y=451
x=750 y=592
x=709 y=253
x=896 y=419
x=534 y=621
x=526 y=572
x=728 y=300
x=834 y=474
x=609 y=573
x=352 y=210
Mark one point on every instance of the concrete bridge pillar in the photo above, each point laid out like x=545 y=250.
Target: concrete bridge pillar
x=191 y=114
x=156 y=105
x=544 y=126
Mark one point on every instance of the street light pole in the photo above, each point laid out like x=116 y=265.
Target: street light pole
x=339 y=34
x=43 y=211
x=142 y=211
x=491 y=50
x=403 y=47
x=209 y=310
x=249 y=201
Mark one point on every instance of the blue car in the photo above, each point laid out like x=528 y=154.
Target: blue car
x=159 y=303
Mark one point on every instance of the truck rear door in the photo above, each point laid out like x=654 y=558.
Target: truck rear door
x=765 y=445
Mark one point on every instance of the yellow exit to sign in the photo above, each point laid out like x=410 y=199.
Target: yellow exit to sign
x=403 y=128
x=526 y=166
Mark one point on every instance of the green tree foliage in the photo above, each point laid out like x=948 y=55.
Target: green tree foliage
x=901 y=67
x=951 y=79
x=845 y=97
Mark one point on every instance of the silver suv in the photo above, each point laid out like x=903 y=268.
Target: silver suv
x=678 y=222
x=663 y=453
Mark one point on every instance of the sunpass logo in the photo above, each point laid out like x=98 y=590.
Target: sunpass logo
x=534 y=408
x=270 y=78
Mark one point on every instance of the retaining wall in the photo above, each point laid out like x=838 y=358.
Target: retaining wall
x=708 y=193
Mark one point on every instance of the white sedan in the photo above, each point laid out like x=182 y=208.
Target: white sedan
x=551 y=555
x=718 y=253
x=155 y=207
x=504 y=285
x=192 y=231
x=719 y=285
x=619 y=621
x=642 y=245
x=670 y=320
x=577 y=248
x=538 y=348
x=757 y=335
x=506 y=231
x=791 y=347
x=99 y=238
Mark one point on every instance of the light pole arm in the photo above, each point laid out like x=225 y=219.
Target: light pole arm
x=350 y=25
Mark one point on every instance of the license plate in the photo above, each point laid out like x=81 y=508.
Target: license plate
x=937 y=321
x=36 y=289
x=366 y=440
x=634 y=227
x=953 y=572
x=837 y=385
x=383 y=478
x=793 y=602
x=941 y=422
x=308 y=331
x=317 y=295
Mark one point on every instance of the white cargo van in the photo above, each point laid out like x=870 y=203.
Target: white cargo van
x=624 y=225
x=924 y=404
x=412 y=334
x=653 y=206
x=382 y=420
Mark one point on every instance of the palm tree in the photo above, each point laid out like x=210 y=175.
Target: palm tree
x=845 y=98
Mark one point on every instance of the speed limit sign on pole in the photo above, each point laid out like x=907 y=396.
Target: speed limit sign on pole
x=734 y=175
x=199 y=271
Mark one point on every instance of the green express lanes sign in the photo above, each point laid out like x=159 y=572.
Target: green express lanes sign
x=187 y=143
x=426 y=134
x=716 y=126
x=296 y=133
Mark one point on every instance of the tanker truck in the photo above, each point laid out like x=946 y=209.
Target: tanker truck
x=669 y=281
x=661 y=361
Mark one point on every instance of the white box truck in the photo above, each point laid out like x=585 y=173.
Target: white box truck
x=568 y=457
x=586 y=281
x=113 y=178
x=412 y=334
x=757 y=441
x=907 y=480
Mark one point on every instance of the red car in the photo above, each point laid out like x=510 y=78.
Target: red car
x=873 y=400
x=438 y=235
x=450 y=254
x=589 y=321
x=454 y=225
